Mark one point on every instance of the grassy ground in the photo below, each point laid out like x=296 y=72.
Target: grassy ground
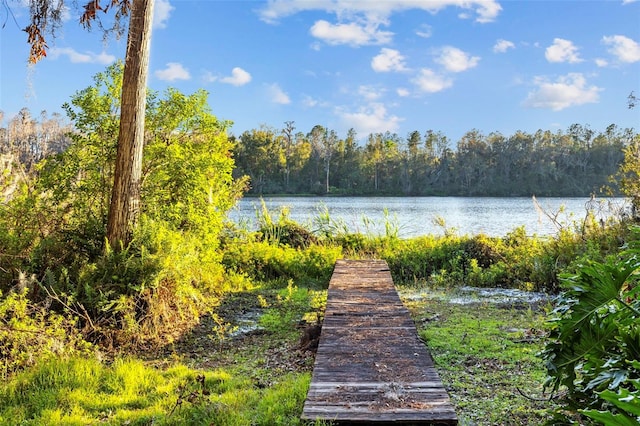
x=220 y=375
x=486 y=356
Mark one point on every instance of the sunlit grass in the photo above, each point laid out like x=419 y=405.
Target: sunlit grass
x=228 y=383
x=487 y=358
x=88 y=391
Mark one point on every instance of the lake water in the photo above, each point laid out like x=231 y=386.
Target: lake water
x=415 y=216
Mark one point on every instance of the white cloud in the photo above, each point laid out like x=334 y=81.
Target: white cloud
x=623 y=48
x=309 y=102
x=455 y=60
x=161 y=12
x=377 y=11
x=82 y=58
x=371 y=118
x=388 y=60
x=562 y=51
x=628 y=1
x=502 y=46
x=601 y=62
x=402 y=92
x=208 y=77
x=425 y=31
x=569 y=90
x=369 y=93
x=353 y=34
x=360 y=23
x=430 y=82
x=174 y=71
x=238 y=77
x=277 y=95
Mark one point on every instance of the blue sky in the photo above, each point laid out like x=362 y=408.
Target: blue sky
x=375 y=66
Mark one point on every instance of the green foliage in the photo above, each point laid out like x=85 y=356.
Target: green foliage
x=262 y=261
x=285 y=231
x=451 y=260
x=30 y=333
x=595 y=332
x=187 y=180
x=288 y=308
x=629 y=174
x=54 y=228
x=577 y=161
x=625 y=401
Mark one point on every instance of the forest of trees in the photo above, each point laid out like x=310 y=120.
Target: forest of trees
x=575 y=162
x=25 y=141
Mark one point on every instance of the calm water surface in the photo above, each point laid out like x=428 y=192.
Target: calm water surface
x=415 y=216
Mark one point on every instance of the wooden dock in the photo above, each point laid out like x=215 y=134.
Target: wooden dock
x=371 y=366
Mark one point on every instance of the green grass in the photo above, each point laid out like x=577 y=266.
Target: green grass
x=486 y=357
x=485 y=354
x=86 y=391
x=259 y=379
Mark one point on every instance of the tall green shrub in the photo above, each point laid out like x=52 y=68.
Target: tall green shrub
x=173 y=263
x=594 y=340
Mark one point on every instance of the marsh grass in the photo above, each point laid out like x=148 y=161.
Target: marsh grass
x=258 y=379
x=486 y=355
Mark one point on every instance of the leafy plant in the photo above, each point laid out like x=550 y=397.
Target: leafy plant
x=595 y=332
x=289 y=307
x=262 y=261
x=284 y=231
x=626 y=402
x=629 y=174
x=30 y=332
x=54 y=228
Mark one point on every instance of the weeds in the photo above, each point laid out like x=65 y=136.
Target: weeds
x=30 y=332
x=487 y=358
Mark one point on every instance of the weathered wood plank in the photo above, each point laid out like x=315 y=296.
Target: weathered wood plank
x=371 y=366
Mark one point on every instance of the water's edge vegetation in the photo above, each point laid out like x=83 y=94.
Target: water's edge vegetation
x=59 y=371
x=198 y=321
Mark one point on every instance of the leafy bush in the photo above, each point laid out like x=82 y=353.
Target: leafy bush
x=478 y=260
x=263 y=261
x=594 y=341
x=626 y=403
x=54 y=228
x=30 y=332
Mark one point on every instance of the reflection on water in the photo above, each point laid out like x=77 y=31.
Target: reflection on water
x=467 y=295
x=415 y=216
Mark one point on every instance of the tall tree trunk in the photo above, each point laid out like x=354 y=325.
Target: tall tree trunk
x=125 y=196
x=327 y=187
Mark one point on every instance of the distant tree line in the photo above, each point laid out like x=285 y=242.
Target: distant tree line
x=575 y=162
x=24 y=142
x=28 y=139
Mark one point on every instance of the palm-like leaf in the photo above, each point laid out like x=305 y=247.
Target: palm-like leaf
x=592 y=319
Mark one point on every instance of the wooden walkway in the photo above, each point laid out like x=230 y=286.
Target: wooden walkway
x=370 y=366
